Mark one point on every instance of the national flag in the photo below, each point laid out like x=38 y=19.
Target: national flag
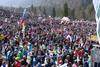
x=23 y=18
x=87 y=42
x=81 y=20
x=77 y=25
x=61 y=22
x=4 y=45
x=5 y=20
x=87 y=21
x=49 y=16
x=69 y=38
x=23 y=30
x=11 y=16
x=66 y=22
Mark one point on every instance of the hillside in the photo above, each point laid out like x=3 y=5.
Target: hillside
x=25 y=3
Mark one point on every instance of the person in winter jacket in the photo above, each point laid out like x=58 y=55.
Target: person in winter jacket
x=25 y=52
x=16 y=50
x=76 y=51
x=86 y=63
x=34 y=61
x=24 y=62
x=9 y=54
x=20 y=55
x=48 y=63
x=17 y=63
x=39 y=63
x=3 y=64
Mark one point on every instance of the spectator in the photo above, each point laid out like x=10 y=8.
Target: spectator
x=48 y=63
x=4 y=63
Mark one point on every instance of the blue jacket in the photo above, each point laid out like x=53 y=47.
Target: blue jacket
x=16 y=51
x=3 y=66
x=9 y=55
x=34 y=62
x=25 y=52
x=38 y=64
x=86 y=64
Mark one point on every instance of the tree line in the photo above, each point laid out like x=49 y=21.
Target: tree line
x=86 y=13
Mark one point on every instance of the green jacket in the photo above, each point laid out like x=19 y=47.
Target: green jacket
x=20 y=55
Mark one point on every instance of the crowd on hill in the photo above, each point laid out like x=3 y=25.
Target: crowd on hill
x=48 y=43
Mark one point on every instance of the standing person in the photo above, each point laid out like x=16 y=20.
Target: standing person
x=24 y=61
x=4 y=64
x=48 y=63
x=9 y=54
x=25 y=52
x=43 y=56
x=20 y=55
x=34 y=61
x=72 y=55
x=17 y=63
x=86 y=63
x=38 y=63
x=75 y=64
x=80 y=62
x=1 y=60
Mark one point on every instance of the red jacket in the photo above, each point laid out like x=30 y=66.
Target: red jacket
x=18 y=64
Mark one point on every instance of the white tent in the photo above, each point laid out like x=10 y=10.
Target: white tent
x=65 y=19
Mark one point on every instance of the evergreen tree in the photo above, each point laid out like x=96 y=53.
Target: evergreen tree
x=44 y=12
x=40 y=8
x=83 y=14
x=32 y=8
x=73 y=13
x=65 y=10
x=53 y=12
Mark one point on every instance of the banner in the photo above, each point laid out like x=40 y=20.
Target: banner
x=2 y=36
x=94 y=37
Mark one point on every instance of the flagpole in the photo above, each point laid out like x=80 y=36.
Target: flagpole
x=23 y=29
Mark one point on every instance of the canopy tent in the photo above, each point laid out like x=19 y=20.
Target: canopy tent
x=65 y=19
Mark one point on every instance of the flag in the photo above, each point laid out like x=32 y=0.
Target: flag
x=11 y=16
x=87 y=21
x=77 y=25
x=23 y=30
x=5 y=20
x=87 y=42
x=23 y=17
x=4 y=45
x=81 y=20
x=96 y=4
x=69 y=38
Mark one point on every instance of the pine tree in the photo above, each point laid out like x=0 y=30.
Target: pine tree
x=83 y=14
x=32 y=8
x=65 y=10
x=44 y=12
x=40 y=8
x=53 y=12
x=73 y=13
